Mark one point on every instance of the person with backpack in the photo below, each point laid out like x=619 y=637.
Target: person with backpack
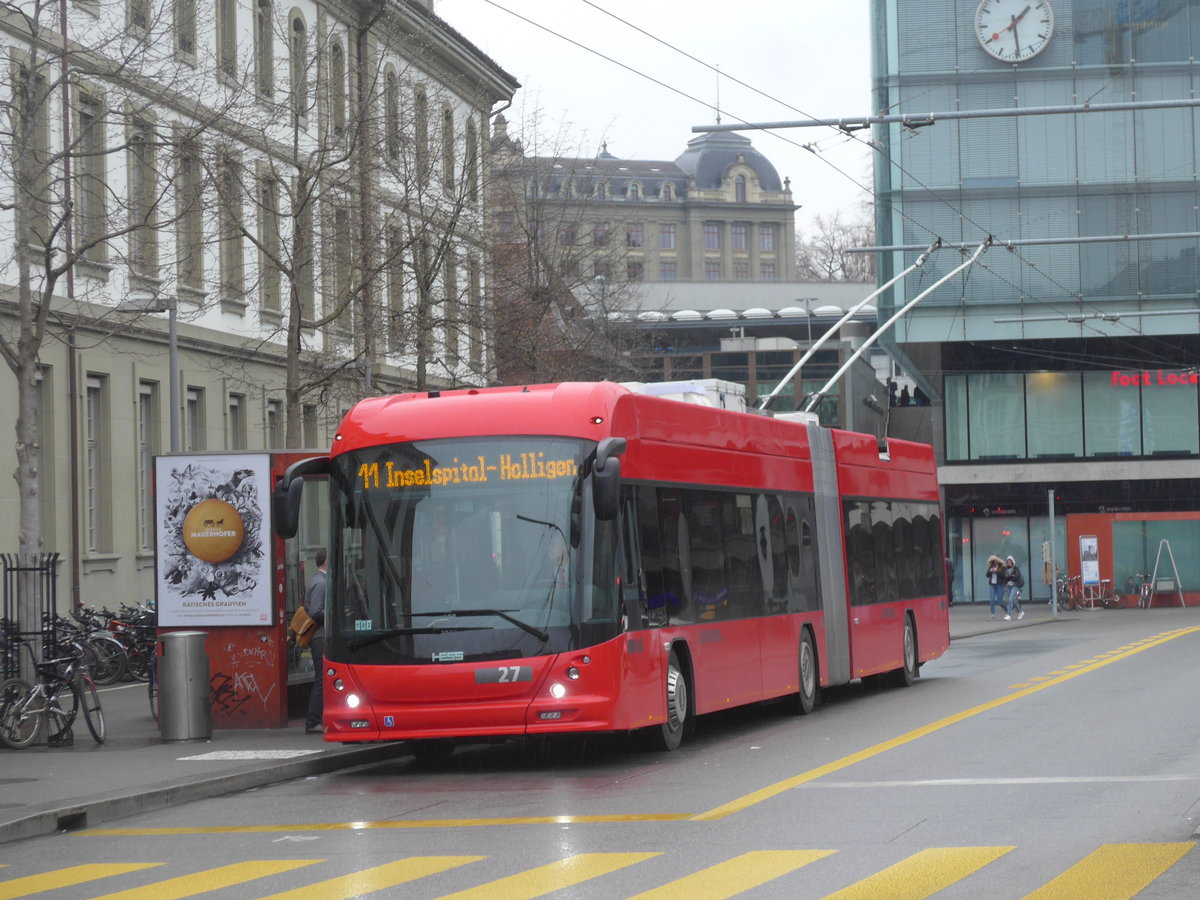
x=1014 y=581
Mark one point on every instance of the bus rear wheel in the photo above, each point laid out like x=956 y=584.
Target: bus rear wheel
x=907 y=673
x=804 y=700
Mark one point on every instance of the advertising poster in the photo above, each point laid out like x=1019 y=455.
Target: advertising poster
x=214 y=548
x=1089 y=558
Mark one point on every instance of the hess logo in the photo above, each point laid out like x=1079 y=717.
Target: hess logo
x=213 y=531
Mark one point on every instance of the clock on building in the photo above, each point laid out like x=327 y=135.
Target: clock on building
x=1014 y=30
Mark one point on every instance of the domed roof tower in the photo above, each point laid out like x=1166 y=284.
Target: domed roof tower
x=710 y=155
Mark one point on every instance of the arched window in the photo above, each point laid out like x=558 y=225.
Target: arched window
x=264 y=48
x=337 y=88
x=298 y=68
x=391 y=114
x=668 y=191
x=421 y=130
x=634 y=191
x=739 y=189
x=471 y=170
x=448 y=149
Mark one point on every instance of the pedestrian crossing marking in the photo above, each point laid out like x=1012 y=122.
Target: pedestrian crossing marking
x=741 y=804
x=375 y=879
x=553 y=877
x=922 y=874
x=732 y=877
x=69 y=877
x=210 y=880
x=1113 y=872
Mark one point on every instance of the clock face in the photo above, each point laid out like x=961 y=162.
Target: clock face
x=1014 y=30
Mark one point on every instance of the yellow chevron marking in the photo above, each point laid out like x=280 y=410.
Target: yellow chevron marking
x=376 y=879
x=210 y=880
x=69 y=877
x=1113 y=872
x=922 y=874
x=773 y=790
x=732 y=877
x=553 y=877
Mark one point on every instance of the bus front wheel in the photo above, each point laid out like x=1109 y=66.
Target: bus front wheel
x=804 y=700
x=669 y=735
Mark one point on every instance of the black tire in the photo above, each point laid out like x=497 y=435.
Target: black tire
x=804 y=700
x=110 y=656
x=137 y=662
x=152 y=689
x=92 y=713
x=1113 y=600
x=20 y=714
x=907 y=673
x=61 y=709
x=670 y=734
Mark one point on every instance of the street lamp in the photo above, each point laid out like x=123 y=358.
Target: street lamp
x=155 y=303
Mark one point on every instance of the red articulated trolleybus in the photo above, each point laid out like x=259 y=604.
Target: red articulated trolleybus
x=585 y=557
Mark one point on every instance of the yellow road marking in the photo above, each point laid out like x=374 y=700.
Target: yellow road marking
x=373 y=826
x=210 y=880
x=1113 y=872
x=732 y=877
x=69 y=877
x=553 y=877
x=922 y=874
x=376 y=878
x=773 y=790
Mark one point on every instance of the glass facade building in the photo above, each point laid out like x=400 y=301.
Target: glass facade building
x=1065 y=361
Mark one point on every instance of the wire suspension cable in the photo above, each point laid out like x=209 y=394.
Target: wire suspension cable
x=816 y=398
x=765 y=402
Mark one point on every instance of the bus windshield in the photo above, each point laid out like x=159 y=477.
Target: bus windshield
x=467 y=549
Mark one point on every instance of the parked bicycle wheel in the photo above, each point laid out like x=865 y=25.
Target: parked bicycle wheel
x=92 y=713
x=20 y=713
x=152 y=688
x=1113 y=599
x=110 y=658
x=62 y=705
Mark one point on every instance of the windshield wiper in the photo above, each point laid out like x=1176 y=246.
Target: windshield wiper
x=358 y=643
x=524 y=626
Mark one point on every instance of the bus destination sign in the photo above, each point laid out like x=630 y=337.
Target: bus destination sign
x=532 y=466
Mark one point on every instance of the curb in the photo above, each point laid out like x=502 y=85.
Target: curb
x=75 y=815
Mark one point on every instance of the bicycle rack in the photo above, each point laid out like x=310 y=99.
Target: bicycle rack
x=1167 y=585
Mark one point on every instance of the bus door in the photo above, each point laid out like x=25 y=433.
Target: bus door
x=643 y=686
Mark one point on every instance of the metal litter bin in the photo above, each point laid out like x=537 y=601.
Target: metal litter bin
x=184 y=700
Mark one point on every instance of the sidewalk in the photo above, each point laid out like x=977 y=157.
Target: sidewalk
x=43 y=790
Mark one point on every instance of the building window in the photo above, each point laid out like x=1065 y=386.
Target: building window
x=340 y=261
x=602 y=190
x=274 y=425
x=90 y=207
x=737 y=237
x=475 y=314
x=766 y=238
x=189 y=216
x=602 y=270
x=308 y=425
x=666 y=237
x=668 y=191
x=270 y=249
x=635 y=269
x=741 y=270
x=395 y=289
x=448 y=149
x=237 y=422
x=600 y=234
x=143 y=234
x=226 y=27
x=712 y=271
x=230 y=225
x=567 y=234
x=185 y=26
x=302 y=241
x=193 y=420
x=139 y=14
x=391 y=114
x=298 y=68
x=471 y=169
x=635 y=235
x=421 y=130
x=264 y=48
x=337 y=89
x=97 y=506
x=634 y=191
x=766 y=271
x=148 y=445
x=451 y=308
x=667 y=270
x=739 y=189
x=30 y=152
x=712 y=236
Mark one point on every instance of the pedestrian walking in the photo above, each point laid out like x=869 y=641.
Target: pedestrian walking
x=949 y=582
x=314 y=605
x=995 y=580
x=1013 y=582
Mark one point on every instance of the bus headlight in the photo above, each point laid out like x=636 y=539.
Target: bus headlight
x=352 y=701
x=558 y=691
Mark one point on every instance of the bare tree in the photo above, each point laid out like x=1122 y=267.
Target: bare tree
x=564 y=302
x=823 y=254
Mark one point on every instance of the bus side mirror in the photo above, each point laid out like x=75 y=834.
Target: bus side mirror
x=285 y=499
x=606 y=478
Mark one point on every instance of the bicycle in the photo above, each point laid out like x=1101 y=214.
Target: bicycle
x=51 y=704
x=1138 y=584
x=1094 y=596
x=1069 y=593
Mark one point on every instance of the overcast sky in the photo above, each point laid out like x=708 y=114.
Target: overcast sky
x=810 y=57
